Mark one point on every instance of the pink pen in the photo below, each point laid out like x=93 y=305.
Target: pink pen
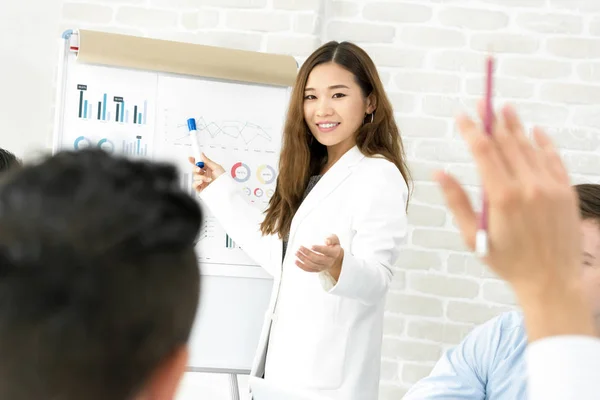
x=481 y=239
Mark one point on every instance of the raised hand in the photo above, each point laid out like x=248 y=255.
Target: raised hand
x=534 y=234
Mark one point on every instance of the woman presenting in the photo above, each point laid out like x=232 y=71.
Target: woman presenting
x=332 y=230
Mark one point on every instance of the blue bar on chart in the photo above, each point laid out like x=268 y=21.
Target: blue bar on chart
x=104 y=107
x=85 y=109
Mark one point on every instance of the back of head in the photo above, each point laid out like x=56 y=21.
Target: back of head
x=8 y=161
x=98 y=278
x=589 y=201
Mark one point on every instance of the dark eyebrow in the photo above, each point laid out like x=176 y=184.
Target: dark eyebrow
x=330 y=87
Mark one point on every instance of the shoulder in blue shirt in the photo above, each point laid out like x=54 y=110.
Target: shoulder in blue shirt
x=489 y=364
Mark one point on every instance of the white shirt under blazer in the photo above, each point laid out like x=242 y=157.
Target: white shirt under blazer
x=324 y=336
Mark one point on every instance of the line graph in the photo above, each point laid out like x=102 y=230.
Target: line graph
x=247 y=131
x=226 y=132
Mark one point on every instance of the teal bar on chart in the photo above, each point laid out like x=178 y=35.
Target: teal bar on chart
x=104 y=107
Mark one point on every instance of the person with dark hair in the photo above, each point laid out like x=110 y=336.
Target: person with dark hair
x=8 y=160
x=99 y=282
x=490 y=363
x=332 y=231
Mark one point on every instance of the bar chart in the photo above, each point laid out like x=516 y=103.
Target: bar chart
x=118 y=111
x=229 y=243
x=136 y=147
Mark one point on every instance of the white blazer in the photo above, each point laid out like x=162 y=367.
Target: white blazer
x=323 y=336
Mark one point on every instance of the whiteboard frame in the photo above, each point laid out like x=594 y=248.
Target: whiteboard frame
x=251 y=274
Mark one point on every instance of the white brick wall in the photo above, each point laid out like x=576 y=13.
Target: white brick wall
x=430 y=54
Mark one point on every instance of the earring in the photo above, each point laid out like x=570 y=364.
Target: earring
x=372 y=116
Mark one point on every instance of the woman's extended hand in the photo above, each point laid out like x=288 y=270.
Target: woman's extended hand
x=321 y=258
x=204 y=176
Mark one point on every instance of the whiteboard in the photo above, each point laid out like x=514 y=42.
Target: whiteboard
x=142 y=114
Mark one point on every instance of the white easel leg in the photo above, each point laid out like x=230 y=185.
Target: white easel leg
x=234 y=390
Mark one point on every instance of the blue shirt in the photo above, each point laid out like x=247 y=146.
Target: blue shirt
x=488 y=364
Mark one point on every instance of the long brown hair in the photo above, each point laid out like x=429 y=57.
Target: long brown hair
x=301 y=156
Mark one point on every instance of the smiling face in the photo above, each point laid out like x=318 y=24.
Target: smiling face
x=590 y=230
x=335 y=106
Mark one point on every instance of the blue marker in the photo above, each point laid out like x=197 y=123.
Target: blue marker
x=194 y=138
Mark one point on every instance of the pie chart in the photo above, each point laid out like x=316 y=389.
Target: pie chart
x=265 y=174
x=240 y=172
x=81 y=143
x=106 y=145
